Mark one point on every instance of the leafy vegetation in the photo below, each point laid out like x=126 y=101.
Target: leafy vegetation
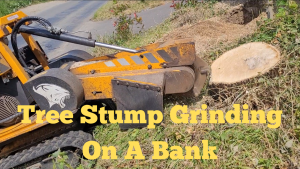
x=124 y=24
x=10 y=6
x=60 y=160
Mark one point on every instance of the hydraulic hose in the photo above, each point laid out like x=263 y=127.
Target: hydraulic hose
x=14 y=33
x=53 y=33
x=71 y=38
x=61 y=37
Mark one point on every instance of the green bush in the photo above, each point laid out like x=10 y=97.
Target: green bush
x=10 y=6
x=286 y=7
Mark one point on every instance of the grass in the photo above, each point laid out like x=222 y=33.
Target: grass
x=225 y=137
x=10 y=6
x=238 y=146
x=126 y=7
x=136 y=40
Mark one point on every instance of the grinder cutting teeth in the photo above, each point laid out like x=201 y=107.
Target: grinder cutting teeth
x=134 y=79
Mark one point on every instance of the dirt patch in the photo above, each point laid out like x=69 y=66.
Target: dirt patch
x=245 y=12
x=242 y=15
x=213 y=33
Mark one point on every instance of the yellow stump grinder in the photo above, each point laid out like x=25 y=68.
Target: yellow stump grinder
x=128 y=80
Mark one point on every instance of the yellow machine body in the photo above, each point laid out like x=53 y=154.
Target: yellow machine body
x=164 y=68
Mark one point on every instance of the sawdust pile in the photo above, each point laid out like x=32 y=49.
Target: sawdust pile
x=214 y=33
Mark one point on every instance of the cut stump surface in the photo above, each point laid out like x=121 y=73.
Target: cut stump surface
x=244 y=62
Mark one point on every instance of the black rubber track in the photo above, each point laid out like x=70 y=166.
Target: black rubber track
x=74 y=139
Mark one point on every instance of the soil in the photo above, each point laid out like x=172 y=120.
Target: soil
x=241 y=14
x=213 y=33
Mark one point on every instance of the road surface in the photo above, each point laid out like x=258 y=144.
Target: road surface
x=75 y=16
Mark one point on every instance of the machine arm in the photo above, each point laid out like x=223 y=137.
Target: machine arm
x=71 y=38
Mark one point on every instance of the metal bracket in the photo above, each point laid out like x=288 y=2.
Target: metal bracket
x=5 y=79
x=130 y=95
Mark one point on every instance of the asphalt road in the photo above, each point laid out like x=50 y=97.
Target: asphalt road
x=75 y=16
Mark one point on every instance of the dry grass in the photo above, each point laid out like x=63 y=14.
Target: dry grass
x=190 y=16
x=208 y=32
x=212 y=33
x=133 y=6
